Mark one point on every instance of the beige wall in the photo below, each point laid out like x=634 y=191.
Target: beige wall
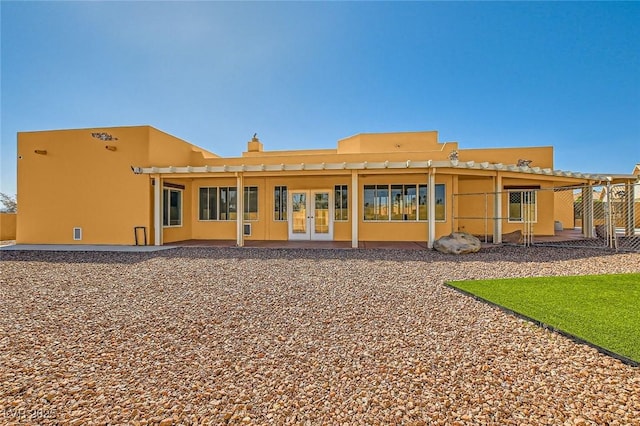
x=183 y=232
x=8 y=226
x=401 y=231
x=406 y=142
x=166 y=150
x=563 y=209
x=472 y=205
x=265 y=228
x=214 y=229
x=477 y=200
x=80 y=183
x=541 y=156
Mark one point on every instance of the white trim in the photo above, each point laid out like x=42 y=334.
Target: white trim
x=379 y=165
x=180 y=210
x=157 y=210
x=335 y=199
x=77 y=233
x=524 y=216
x=273 y=211
x=218 y=198
x=417 y=219
x=257 y=212
x=355 y=219
x=297 y=236
x=431 y=208
x=310 y=234
x=239 y=210
x=328 y=236
x=208 y=188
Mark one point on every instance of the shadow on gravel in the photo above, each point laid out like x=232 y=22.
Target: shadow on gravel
x=498 y=253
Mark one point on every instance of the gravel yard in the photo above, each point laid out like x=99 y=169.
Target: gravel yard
x=216 y=335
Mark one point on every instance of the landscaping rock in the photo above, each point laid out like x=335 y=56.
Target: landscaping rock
x=457 y=243
x=514 y=237
x=213 y=336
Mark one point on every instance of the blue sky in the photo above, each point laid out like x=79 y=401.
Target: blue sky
x=303 y=75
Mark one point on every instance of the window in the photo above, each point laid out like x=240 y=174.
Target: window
x=441 y=212
x=222 y=203
x=208 y=204
x=423 y=197
x=404 y=203
x=228 y=203
x=376 y=202
x=341 y=200
x=522 y=206
x=171 y=207
x=280 y=203
x=250 y=203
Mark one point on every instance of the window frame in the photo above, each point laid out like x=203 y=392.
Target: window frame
x=280 y=212
x=401 y=205
x=215 y=210
x=522 y=204
x=218 y=211
x=166 y=207
x=341 y=203
x=246 y=205
x=377 y=207
x=228 y=190
x=444 y=202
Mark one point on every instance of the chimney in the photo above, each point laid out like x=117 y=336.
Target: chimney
x=254 y=145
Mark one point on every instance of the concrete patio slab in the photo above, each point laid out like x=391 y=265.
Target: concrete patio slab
x=398 y=245
x=84 y=247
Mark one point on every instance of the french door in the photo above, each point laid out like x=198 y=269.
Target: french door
x=311 y=215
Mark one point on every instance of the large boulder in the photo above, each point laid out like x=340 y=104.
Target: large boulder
x=457 y=243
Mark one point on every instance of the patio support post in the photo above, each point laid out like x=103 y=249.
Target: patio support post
x=354 y=209
x=609 y=219
x=587 y=211
x=157 y=210
x=240 y=210
x=497 y=209
x=431 y=205
x=630 y=219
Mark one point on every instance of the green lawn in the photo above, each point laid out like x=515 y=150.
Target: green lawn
x=601 y=309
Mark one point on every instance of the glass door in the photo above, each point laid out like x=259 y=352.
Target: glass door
x=298 y=217
x=310 y=215
x=322 y=228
